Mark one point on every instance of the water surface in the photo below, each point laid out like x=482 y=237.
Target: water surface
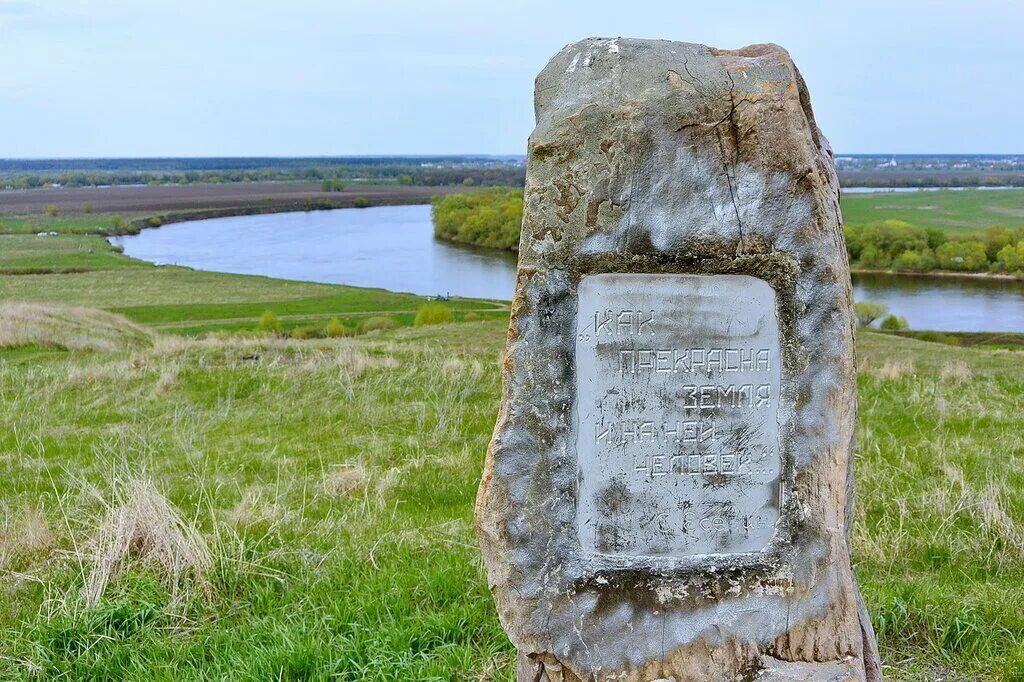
x=947 y=303
x=393 y=247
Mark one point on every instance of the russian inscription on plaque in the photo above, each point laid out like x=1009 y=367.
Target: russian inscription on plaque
x=677 y=435
x=668 y=490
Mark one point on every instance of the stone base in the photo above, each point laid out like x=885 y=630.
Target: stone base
x=772 y=670
x=775 y=670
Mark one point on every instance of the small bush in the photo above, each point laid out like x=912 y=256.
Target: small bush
x=51 y=210
x=269 y=323
x=308 y=332
x=336 y=329
x=360 y=202
x=433 y=313
x=86 y=207
x=117 y=248
x=914 y=261
x=894 y=323
x=373 y=324
x=155 y=221
x=470 y=317
x=938 y=337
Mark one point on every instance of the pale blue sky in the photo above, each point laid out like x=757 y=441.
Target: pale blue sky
x=305 y=77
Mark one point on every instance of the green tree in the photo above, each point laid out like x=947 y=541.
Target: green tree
x=52 y=210
x=967 y=255
x=404 y=179
x=936 y=237
x=873 y=257
x=1011 y=257
x=914 y=261
x=996 y=238
x=490 y=217
x=869 y=311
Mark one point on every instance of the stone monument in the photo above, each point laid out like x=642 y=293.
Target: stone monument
x=668 y=494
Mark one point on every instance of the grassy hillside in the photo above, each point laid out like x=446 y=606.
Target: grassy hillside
x=329 y=482
x=187 y=506
x=331 y=485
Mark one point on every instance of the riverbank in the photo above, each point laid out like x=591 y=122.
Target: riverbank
x=943 y=274
x=77 y=266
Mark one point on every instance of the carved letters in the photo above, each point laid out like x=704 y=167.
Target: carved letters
x=677 y=417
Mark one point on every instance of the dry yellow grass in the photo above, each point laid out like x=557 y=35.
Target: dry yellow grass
x=350 y=481
x=894 y=369
x=956 y=371
x=142 y=526
x=55 y=326
x=24 y=535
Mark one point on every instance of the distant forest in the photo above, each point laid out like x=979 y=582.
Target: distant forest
x=855 y=170
x=430 y=171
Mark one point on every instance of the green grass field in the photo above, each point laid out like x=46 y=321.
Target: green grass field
x=180 y=506
x=76 y=268
x=955 y=212
x=67 y=223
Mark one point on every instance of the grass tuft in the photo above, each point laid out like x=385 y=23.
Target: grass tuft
x=894 y=369
x=349 y=481
x=142 y=527
x=955 y=371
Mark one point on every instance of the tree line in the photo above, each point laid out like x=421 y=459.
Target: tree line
x=405 y=174
x=492 y=218
x=903 y=247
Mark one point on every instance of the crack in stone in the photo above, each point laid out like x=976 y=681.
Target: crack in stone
x=730 y=178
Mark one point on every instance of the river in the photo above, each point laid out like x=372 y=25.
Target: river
x=393 y=247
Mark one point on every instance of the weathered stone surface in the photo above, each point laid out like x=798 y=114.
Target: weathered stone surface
x=687 y=192
x=774 y=670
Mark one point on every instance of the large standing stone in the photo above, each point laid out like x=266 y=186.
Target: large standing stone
x=668 y=491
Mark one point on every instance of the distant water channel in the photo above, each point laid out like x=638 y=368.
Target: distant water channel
x=393 y=247
x=390 y=247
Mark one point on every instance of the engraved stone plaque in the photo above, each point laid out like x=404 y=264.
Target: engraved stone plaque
x=668 y=490
x=677 y=433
